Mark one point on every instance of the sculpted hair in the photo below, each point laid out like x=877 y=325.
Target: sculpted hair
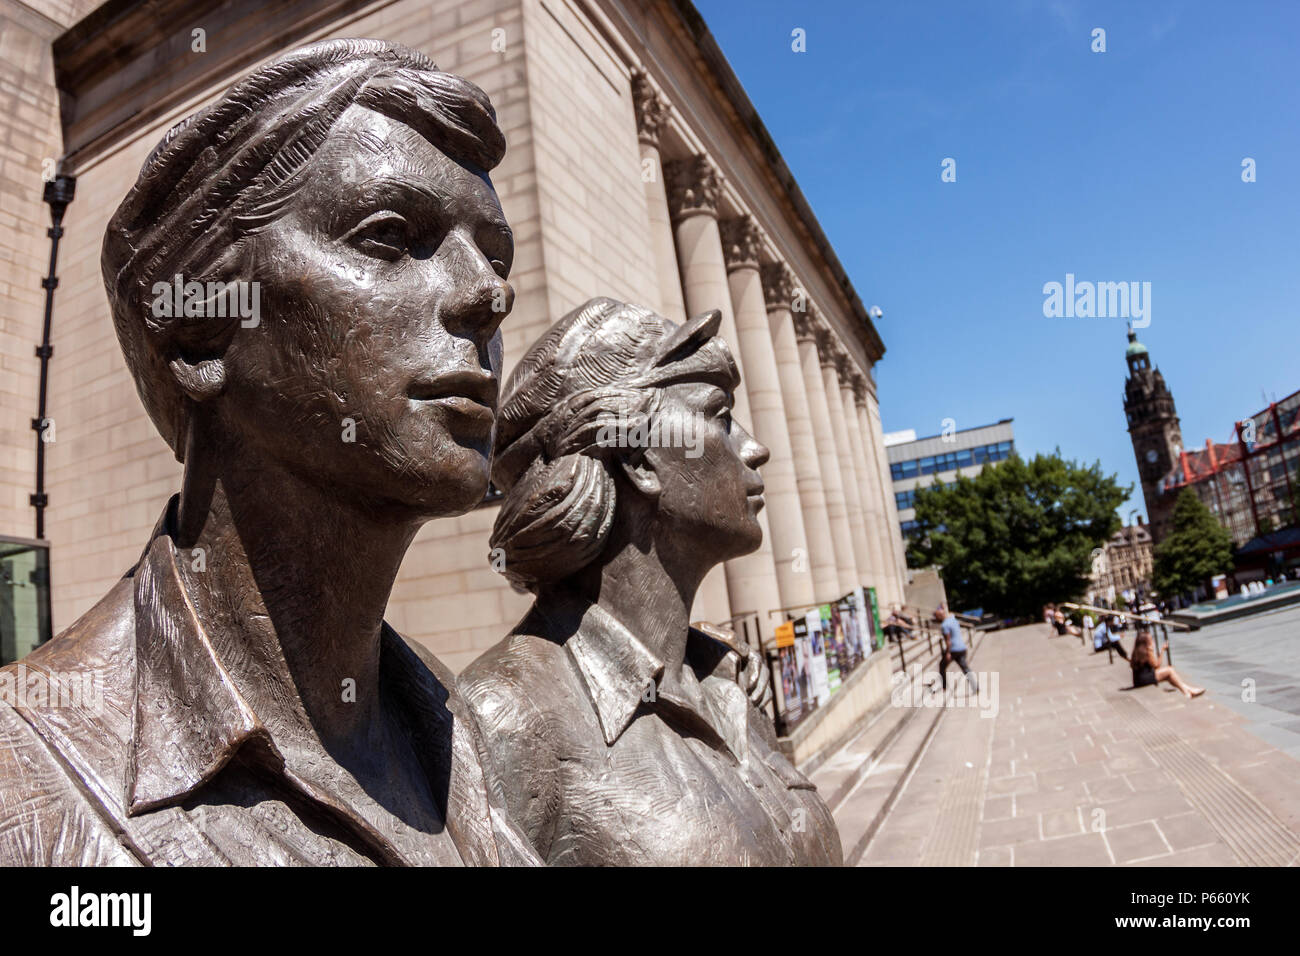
x=231 y=169
x=602 y=363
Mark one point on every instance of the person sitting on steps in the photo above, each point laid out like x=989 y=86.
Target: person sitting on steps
x=1104 y=636
x=1064 y=627
x=1148 y=669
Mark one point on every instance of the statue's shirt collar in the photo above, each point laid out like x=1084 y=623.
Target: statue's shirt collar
x=190 y=719
x=622 y=675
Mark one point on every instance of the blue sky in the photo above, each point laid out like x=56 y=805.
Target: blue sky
x=1117 y=166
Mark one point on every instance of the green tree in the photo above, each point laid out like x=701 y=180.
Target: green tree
x=1017 y=535
x=1197 y=549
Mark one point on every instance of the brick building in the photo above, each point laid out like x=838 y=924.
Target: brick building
x=636 y=168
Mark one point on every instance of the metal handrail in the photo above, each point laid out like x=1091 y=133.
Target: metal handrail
x=1161 y=625
x=1127 y=614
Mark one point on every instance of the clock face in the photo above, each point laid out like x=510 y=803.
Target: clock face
x=1151 y=455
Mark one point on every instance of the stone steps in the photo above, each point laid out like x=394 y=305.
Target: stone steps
x=864 y=779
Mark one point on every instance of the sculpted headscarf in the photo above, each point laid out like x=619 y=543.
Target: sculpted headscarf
x=232 y=168
x=603 y=362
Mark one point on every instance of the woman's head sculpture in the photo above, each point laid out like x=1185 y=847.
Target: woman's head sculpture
x=344 y=189
x=616 y=400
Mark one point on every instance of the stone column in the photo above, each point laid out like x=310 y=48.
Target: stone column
x=693 y=191
x=869 y=415
x=846 y=564
x=780 y=296
x=873 y=515
x=651 y=112
x=740 y=244
x=832 y=357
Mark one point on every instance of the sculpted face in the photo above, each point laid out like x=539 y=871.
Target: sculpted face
x=710 y=492
x=382 y=287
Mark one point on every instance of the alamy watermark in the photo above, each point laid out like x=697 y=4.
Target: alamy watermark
x=208 y=300
x=642 y=430
x=23 y=687
x=981 y=693
x=1099 y=300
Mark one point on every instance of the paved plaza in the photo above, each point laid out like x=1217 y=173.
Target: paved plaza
x=1073 y=767
x=1259 y=653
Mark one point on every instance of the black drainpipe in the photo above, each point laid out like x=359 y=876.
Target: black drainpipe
x=58 y=193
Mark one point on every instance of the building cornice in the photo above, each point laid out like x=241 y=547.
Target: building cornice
x=106 y=64
x=693 y=46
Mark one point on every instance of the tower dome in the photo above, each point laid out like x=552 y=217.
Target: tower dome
x=1134 y=346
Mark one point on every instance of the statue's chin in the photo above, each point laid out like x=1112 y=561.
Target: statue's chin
x=454 y=492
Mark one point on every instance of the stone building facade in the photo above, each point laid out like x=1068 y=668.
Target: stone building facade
x=1123 y=564
x=636 y=168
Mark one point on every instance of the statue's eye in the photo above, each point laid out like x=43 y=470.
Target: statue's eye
x=383 y=235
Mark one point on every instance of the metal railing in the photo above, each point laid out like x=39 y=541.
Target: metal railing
x=1162 y=627
x=744 y=627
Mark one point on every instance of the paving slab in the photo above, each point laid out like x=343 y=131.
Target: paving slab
x=1068 y=765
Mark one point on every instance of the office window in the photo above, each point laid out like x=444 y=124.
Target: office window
x=24 y=597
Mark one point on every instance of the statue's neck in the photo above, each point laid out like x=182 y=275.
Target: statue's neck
x=293 y=593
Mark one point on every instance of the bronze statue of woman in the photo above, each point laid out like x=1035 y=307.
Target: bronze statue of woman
x=255 y=708
x=618 y=731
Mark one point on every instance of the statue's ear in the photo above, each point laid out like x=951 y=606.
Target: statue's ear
x=641 y=468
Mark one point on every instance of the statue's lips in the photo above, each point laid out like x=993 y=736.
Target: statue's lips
x=755 y=495
x=470 y=394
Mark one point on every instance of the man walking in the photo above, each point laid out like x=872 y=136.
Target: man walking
x=953 y=645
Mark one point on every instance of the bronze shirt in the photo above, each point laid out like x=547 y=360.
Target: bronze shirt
x=168 y=763
x=598 y=769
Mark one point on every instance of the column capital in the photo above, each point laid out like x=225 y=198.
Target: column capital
x=778 y=285
x=859 y=384
x=828 y=346
x=693 y=187
x=741 y=239
x=806 y=324
x=651 y=108
x=845 y=367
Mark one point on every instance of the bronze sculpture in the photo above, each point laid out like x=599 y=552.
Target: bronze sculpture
x=255 y=707
x=617 y=730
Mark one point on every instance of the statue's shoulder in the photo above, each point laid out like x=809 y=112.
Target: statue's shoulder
x=62 y=720
x=513 y=679
x=101 y=640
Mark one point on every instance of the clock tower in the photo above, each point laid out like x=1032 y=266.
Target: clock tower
x=1153 y=427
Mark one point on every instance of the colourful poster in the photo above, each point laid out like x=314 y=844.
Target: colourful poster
x=820 y=670
x=866 y=630
x=788 y=661
x=876 y=626
x=832 y=641
x=803 y=665
x=849 y=624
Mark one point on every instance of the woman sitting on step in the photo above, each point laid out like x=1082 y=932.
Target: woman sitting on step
x=1148 y=669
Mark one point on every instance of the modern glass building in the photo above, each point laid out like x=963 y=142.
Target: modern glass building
x=921 y=462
